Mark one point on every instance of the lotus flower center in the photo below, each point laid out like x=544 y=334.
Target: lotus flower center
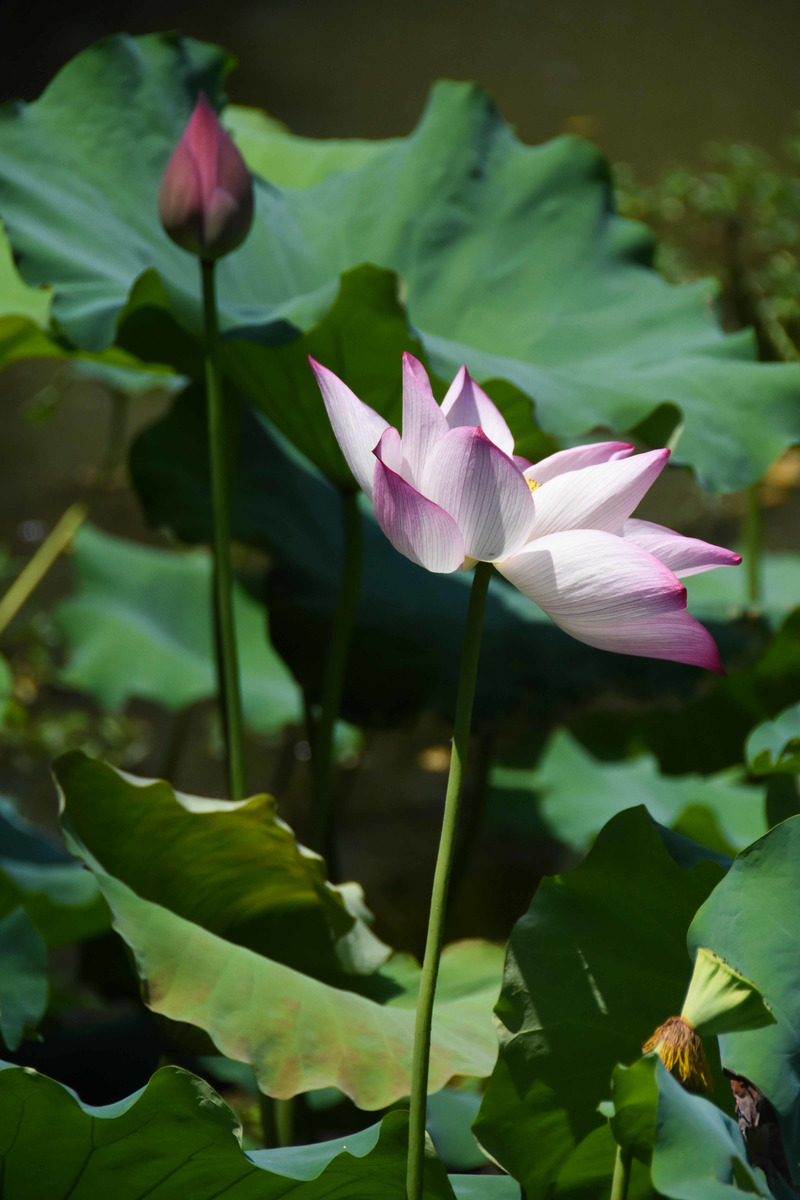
x=532 y=484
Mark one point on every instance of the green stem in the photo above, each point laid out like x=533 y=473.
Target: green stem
x=622 y=1170
x=277 y=1120
x=37 y=567
x=68 y=524
x=475 y=811
x=321 y=737
x=441 y=881
x=752 y=544
x=227 y=659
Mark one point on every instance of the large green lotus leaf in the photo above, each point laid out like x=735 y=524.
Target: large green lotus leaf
x=449 y=1116
x=752 y=920
x=410 y=622
x=699 y=1153
x=513 y=257
x=16 y=298
x=177 y=1138
x=23 y=979
x=586 y=1173
x=22 y=338
x=25 y=332
x=235 y=869
x=59 y=896
x=362 y=339
x=486 y=1187
x=773 y=748
x=139 y=625
x=695 y=1151
x=575 y=793
x=299 y=1033
x=596 y=964
x=289 y=161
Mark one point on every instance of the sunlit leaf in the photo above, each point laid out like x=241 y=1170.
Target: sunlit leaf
x=752 y=919
x=694 y=1150
x=235 y=869
x=177 y=1138
x=16 y=298
x=298 y=1032
x=596 y=964
x=287 y=160
x=699 y=1153
x=514 y=260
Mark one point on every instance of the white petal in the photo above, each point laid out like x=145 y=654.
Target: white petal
x=424 y=423
x=576 y=458
x=415 y=525
x=611 y=594
x=597 y=497
x=683 y=555
x=483 y=490
x=468 y=404
x=356 y=426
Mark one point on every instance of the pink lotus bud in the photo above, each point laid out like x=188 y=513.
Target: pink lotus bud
x=206 y=196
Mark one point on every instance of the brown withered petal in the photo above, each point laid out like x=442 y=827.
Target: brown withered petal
x=681 y=1050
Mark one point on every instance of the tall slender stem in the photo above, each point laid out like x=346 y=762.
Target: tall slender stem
x=70 y=521
x=321 y=737
x=621 y=1177
x=441 y=881
x=37 y=567
x=227 y=658
x=752 y=544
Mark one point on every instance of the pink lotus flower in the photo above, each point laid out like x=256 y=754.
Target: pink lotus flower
x=450 y=492
x=206 y=196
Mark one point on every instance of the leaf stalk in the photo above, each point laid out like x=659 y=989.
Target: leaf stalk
x=621 y=1177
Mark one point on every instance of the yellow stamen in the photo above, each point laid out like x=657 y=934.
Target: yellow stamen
x=680 y=1049
x=532 y=484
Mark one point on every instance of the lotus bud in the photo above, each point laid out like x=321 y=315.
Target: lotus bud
x=206 y=196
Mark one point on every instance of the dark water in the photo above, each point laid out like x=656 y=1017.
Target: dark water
x=651 y=82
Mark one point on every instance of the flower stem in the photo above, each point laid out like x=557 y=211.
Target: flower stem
x=441 y=881
x=218 y=443
x=752 y=544
x=621 y=1178
x=321 y=736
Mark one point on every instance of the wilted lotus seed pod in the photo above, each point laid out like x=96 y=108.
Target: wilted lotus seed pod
x=206 y=196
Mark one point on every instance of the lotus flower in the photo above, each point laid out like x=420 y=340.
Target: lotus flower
x=450 y=492
x=206 y=197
